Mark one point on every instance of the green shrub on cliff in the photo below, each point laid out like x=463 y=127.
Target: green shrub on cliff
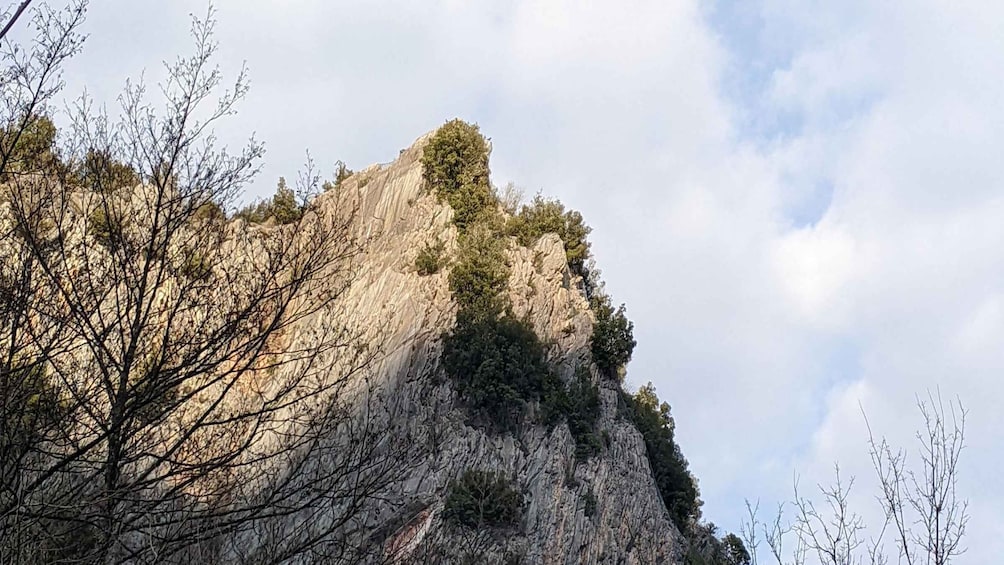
x=32 y=150
x=480 y=275
x=613 y=337
x=430 y=259
x=549 y=216
x=497 y=365
x=100 y=172
x=282 y=207
x=455 y=167
x=483 y=499
x=342 y=173
x=677 y=486
x=582 y=414
x=107 y=226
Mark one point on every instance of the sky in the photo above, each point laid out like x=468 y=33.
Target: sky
x=800 y=202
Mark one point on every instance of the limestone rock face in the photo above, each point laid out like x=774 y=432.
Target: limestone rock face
x=403 y=316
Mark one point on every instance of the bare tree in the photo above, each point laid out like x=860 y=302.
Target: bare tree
x=175 y=386
x=836 y=533
x=774 y=534
x=921 y=506
x=13 y=18
x=29 y=78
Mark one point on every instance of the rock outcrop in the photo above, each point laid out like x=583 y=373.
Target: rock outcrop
x=602 y=510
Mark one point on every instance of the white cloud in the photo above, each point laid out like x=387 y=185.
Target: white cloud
x=816 y=266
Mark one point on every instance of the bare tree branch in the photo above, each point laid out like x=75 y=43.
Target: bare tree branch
x=17 y=14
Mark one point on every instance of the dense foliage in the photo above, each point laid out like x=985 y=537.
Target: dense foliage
x=282 y=207
x=705 y=548
x=497 y=366
x=430 y=259
x=455 y=167
x=209 y=213
x=583 y=413
x=480 y=275
x=105 y=225
x=28 y=148
x=549 y=216
x=483 y=499
x=677 y=486
x=613 y=337
x=579 y=404
x=734 y=551
x=33 y=150
x=100 y=172
x=34 y=406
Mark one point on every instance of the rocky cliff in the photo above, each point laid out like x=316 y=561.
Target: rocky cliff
x=602 y=510
x=268 y=407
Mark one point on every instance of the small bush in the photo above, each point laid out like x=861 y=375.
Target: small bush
x=106 y=226
x=483 y=499
x=341 y=174
x=676 y=485
x=282 y=207
x=589 y=504
x=549 y=216
x=704 y=548
x=209 y=213
x=285 y=209
x=583 y=411
x=579 y=405
x=735 y=550
x=32 y=150
x=430 y=259
x=455 y=167
x=195 y=266
x=100 y=172
x=613 y=338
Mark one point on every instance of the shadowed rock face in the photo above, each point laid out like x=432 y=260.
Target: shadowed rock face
x=404 y=315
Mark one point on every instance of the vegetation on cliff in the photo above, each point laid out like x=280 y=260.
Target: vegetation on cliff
x=431 y=258
x=282 y=208
x=497 y=363
x=544 y=216
x=455 y=167
x=677 y=486
x=483 y=499
x=498 y=366
x=612 y=342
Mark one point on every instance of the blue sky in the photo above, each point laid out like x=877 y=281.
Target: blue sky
x=800 y=202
